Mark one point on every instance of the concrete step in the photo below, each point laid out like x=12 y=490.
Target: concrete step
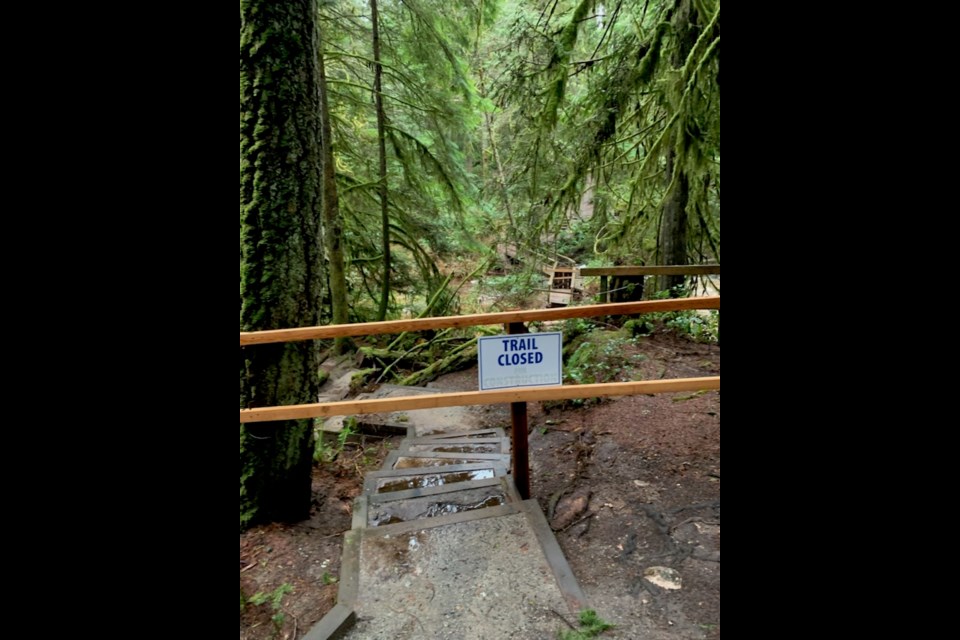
x=489 y=573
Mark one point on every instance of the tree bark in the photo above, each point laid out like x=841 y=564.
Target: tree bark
x=673 y=227
x=280 y=260
x=672 y=241
x=332 y=225
x=382 y=150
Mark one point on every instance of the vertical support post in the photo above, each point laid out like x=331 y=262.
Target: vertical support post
x=518 y=422
x=603 y=290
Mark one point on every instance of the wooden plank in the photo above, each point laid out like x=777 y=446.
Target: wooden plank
x=477 y=319
x=460 y=399
x=561 y=297
x=658 y=270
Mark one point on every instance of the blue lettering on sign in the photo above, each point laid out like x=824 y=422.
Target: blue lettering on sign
x=519 y=351
x=514 y=359
x=519 y=344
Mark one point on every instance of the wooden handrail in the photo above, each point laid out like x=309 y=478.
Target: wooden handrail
x=459 y=399
x=478 y=319
x=658 y=270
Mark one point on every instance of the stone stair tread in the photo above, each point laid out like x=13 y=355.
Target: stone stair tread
x=385 y=513
x=495 y=432
x=479 y=578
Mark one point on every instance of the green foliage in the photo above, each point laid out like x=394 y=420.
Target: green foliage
x=696 y=325
x=591 y=625
x=601 y=356
x=510 y=291
x=576 y=327
x=700 y=325
x=274 y=598
x=324 y=452
x=626 y=111
x=430 y=111
x=349 y=428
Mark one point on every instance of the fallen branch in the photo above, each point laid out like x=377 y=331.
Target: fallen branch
x=589 y=513
x=692 y=520
x=461 y=354
x=415 y=347
x=700 y=505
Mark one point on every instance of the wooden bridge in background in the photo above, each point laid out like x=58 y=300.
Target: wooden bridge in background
x=638 y=273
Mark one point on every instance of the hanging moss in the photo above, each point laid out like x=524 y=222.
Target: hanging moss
x=557 y=67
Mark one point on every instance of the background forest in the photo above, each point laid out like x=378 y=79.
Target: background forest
x=405 y=158
x=575 y=131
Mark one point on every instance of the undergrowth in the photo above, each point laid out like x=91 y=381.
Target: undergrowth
x=591 y=625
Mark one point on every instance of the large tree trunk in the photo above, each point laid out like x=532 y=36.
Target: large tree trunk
x=280 y=259
x=672 y=241
x=332 y=225
x=382 y=149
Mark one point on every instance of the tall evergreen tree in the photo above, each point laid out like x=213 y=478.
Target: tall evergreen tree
x=382 y=167
x=280 y=257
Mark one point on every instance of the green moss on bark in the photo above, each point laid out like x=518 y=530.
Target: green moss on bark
x=280 y=255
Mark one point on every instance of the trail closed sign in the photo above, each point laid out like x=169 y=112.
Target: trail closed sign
x=520 y=360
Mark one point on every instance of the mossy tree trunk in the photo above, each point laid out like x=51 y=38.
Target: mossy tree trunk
x=280 y=258
x=673 y=238
x=673 y=226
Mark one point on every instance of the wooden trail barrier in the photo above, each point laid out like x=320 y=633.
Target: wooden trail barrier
x=513 y=322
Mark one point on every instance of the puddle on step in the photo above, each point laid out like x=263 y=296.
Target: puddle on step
x=432 y=480
x=444 y=508
x=410 y=463
x=461 y=436
x=462 y=448
x=400 y=512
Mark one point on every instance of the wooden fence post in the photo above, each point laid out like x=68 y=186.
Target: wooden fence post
x=518 y=421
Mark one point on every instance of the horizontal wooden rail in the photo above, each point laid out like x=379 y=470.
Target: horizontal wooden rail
x=528 y=394
x=504 y=317
x=659 y=270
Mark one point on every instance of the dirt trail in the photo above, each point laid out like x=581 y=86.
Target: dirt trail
x=631 y=486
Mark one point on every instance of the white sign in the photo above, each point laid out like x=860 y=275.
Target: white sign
x=520 y=360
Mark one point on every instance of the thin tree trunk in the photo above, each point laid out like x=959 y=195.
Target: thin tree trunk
x=280 y=259
x=382 y=150
x=673 y=229
x=501 y=175
x=332 y=225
